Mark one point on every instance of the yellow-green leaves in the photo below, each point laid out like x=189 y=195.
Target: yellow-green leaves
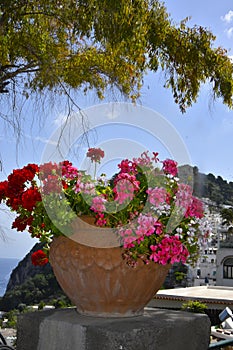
x=94 y=44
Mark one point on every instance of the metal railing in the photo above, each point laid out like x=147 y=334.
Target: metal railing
x=3 y=343
x=221 y=344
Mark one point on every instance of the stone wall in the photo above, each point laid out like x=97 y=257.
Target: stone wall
x=156 y=329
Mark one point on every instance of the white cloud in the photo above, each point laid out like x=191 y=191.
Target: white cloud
x=44 y=140
x=228 y=17
x=229 y=32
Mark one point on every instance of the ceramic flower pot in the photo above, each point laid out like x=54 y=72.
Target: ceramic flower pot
x=100 y=283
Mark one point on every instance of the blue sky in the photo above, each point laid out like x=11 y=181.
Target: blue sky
x=206 y=128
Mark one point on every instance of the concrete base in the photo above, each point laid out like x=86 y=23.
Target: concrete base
x=65 y=329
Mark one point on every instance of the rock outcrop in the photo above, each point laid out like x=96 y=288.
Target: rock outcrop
x=25 y=269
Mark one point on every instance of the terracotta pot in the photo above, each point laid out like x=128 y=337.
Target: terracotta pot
x=100 y=283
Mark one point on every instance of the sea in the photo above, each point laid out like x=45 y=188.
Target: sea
x=6 y=267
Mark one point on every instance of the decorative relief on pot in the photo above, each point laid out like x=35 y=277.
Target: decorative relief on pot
x=100 y=283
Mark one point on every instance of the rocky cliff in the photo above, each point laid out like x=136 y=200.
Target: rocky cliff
x=25 y=270
x=31 y=285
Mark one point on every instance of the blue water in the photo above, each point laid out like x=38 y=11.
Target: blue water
x=6 y=266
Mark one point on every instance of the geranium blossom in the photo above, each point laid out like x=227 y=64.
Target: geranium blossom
x=98 y=204
x=169 y=251
x=195 y=209
x=146 y=225
x=128 y=166
x=86 y=188
x=144 y=160
x=69 y=171
x=183 y=197
x=156 y=217
x=100 y=220
x=39 y=258
x=125 y=186
x=21 y=223
x=157 y=196
x=52 y=184
x=95 y=154
x=48 y=169
x=170 y=167
x=30 y=198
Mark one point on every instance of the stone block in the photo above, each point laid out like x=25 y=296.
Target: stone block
x=160 y=329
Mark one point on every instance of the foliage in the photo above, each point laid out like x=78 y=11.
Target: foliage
x=215 y=188
x=227 y=216
x=155 y=217
x=11 y=318
x=61 y=302
x=41 y=305
x=95 y=44
x=42 y=288
x=177 y=276
x=194 y=306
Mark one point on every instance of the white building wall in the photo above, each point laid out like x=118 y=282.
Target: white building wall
x=222 y=254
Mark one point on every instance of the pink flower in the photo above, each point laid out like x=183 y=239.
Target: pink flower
x=170 y=167
x=101 y=221
x=169 y=251
x=125 y=185
x=143 y=161
x=153 y=256
x=128 y=238
x=146 y=225
x=69 y=172
x=86 y=188
x=157 y=196
x=183 y=196
x=98 y=204
x=195 y=209
x=155 y=157
x=158 y=228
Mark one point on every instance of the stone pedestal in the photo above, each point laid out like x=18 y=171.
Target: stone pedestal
x=65 y=329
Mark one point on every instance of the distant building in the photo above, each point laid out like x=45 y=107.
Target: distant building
x=216 y=298
x=224 y=261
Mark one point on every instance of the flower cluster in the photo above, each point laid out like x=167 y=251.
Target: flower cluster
x=156 y=218
x=95 y=154
x=39 y=258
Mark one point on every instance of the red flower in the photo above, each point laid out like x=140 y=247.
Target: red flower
x=64 y=165
x=127 y=166
x=39 y=258
x=14 y=203
x=21 y=223
x=48 y=169
x=95 y=154
x=3 y=189
x=52 y=185
x=30 y=198
x=30 y=170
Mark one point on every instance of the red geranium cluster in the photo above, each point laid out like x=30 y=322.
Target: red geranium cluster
x=21 y=192
x=95 y=154
x=15 y=188
x=39 y=258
